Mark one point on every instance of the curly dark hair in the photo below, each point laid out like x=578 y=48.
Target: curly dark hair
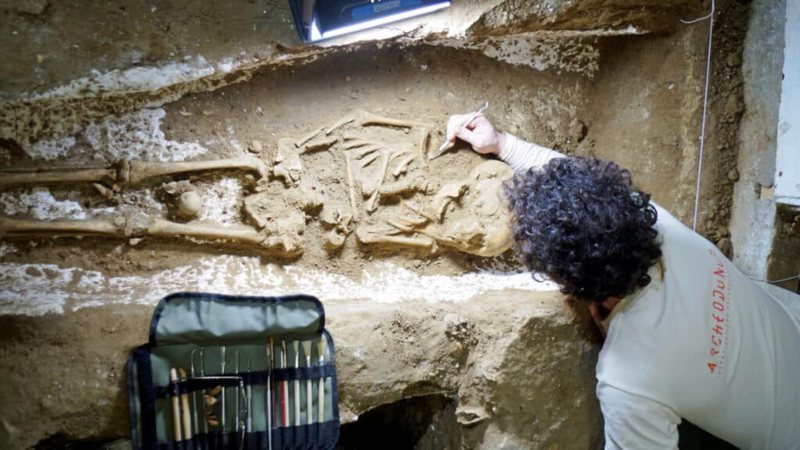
x=580 y=222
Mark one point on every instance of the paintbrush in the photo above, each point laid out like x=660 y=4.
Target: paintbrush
x=176 y=413
x=321 y=345
x=307 y=351
x=446 y=145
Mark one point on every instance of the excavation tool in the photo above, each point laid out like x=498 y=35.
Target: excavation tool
x=309 y=412
x=284 y=389
x=317 y=20
x=222 y=367
x=202 y=374
x=195 y=393
x=176 y=412
x=166 y=374
x=249 y=424
x=447 y=145
x=268 y=400
x=296 y=348
x=322 y=343
x=236 y=424
x=185 y=411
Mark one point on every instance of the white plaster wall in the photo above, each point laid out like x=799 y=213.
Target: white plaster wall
x=787 y=165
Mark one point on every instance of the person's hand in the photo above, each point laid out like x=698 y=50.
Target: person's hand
x=479 y=133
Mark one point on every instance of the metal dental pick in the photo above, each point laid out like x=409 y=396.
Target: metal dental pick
x=447 y=145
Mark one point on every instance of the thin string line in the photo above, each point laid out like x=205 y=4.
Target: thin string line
x=710 y=16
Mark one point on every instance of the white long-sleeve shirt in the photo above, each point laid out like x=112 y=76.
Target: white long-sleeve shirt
x=701 y=342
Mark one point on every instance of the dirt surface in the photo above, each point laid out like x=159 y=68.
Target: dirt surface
x=521 y=369
x=67 y=376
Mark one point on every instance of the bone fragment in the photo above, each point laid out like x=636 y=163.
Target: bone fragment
x=405 y=186
x=56 y=176
x=446 y=194
x=361 y=143
x=190 y=204
x=370 y=159
x=351 y=185
x=334 y=239
x=400 y=226
x=403 y=166
x=136 y=171
x=13 y=227
x=416 y=209
x=290 y=169
x=107 y=193
x=423 y=146
x=314 y=146
x=372 y=203
x=207 y=231
x=338 y=124
x=374 y=119
x=308 y=137
x=367 y=237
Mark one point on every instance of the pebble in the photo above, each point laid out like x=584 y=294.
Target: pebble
x=255 y=146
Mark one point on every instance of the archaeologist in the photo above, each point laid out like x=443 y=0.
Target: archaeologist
x=687 y=335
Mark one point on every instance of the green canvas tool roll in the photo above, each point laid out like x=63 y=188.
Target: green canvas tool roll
x=235 y=372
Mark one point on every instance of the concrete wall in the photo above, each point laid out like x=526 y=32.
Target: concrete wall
x=753 y=203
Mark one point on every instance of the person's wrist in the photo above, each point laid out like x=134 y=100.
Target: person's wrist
x=501 y=143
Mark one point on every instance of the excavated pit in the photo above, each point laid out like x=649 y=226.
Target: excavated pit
x=454 y=349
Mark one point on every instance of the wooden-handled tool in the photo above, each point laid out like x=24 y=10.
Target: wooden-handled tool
x=176 y=412
x=185 y=411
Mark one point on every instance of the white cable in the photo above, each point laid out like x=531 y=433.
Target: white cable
x=776 y=281
x=710 y=16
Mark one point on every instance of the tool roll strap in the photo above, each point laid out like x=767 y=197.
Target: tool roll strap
x=235 y=372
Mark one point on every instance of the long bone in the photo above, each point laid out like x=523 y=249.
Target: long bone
x=13 y=227
x=369 y=118
x=240 y=234
x=21 y=177
x=136 y=171
x=128 y=171
x=367 y=237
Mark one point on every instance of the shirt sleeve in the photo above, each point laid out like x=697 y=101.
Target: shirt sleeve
x=521 y=155
x=634 y=422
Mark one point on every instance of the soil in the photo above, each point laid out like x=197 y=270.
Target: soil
x=638 y=104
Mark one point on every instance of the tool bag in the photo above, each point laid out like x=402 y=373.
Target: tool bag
x=234 y=372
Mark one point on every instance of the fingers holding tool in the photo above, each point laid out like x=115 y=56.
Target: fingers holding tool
x=468 y=127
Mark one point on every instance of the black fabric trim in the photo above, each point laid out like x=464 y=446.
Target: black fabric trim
x=147 y=399
x=222 y=298
x=334 y=389
x=317 y=436
x=132 y=397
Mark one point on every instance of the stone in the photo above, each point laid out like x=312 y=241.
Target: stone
x=733 y=175
x=255 y=147
x=725 y=245
x=576 y=130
